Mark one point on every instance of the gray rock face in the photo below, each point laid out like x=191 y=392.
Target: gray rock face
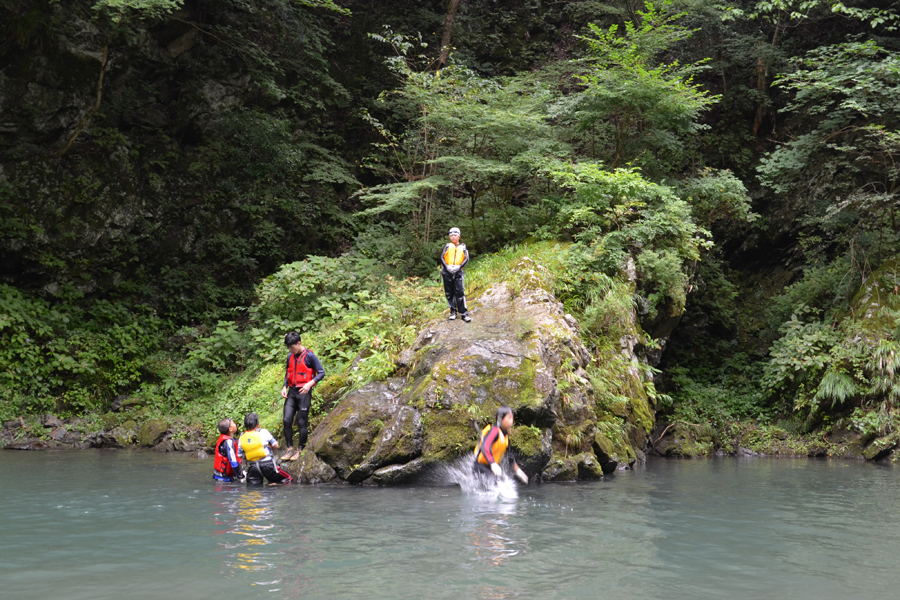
x=116 y=404
x=51 y=422
x=515 y=352
x=120 y=437
x=27 y=444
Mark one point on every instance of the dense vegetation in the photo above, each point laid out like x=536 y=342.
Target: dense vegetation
x=181 y=181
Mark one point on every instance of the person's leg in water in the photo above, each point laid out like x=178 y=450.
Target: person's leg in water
x=272 y=472
x=254 y=475
x=450 y=292
x=483 y=475
x=291 y=408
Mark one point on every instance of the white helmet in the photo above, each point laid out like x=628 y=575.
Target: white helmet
x=454 y=231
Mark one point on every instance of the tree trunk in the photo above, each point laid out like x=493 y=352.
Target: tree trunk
x=762 y=77
x=87 y=117
x=448 y=29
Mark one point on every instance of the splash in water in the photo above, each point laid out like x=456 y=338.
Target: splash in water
x=476 y=485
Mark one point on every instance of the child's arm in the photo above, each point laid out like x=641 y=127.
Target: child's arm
x=233 y=452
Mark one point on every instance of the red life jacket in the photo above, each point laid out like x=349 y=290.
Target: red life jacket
x=222 y=464
x=297 y=371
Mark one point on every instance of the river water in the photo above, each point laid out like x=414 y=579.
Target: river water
x=139 y=525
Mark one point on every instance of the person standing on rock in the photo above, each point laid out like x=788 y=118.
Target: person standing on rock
x=454 y=257
x=302 y=373
x=256 y=446
x=492 y=446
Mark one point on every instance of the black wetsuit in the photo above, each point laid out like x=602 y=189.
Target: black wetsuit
x=297 y=404
x=266 y=468
x=454 y=283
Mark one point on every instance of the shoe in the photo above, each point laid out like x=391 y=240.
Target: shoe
x=297 y=454
x=288 y=454
x=452 y=317
x=467 y=318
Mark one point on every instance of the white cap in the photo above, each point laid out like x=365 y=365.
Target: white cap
x=454 y=231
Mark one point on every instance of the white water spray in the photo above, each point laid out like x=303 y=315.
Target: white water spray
x=481 y=487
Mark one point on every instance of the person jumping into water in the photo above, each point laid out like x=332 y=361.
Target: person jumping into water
x=256 y=447
x=454 y=257
x=302 y=373
x=492 y=446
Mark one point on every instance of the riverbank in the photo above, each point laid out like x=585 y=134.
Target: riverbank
x=121 y=431
x=691 y=440
x=668 y=440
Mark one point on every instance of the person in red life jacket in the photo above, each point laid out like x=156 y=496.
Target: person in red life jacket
x=227 y=463
x=255 y=446
x=492 y=446
x=302 y=373
x=454 y=257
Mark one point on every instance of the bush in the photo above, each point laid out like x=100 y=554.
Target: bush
x=69 y=359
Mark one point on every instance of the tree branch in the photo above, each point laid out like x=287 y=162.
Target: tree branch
x=87 y=117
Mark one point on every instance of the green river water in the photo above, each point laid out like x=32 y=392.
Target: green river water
x=139 y=525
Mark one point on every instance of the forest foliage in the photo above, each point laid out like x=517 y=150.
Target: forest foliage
x=681 y=147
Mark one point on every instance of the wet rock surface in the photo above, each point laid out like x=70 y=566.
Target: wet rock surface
x=50 y=432
x=515 y=352
x=152 y=432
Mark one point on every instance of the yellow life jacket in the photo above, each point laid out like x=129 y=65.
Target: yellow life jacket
x=498 y=447
x=455 y=255
x=251 y=443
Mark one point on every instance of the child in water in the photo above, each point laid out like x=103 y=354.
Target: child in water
x=227 y=464
x=492 y=446
x=256 y=447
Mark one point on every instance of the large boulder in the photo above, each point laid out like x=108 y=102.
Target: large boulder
x=119 y=437
x=152 y=432
x=520 y=350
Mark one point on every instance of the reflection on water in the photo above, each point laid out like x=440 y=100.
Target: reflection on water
x=255 y=530
x=493 y=539
x=259 y=538
x=492 y=534
x=99 y=526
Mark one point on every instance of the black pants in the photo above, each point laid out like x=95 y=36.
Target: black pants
x=266 y=468
x=454 y=289
x=296 y=404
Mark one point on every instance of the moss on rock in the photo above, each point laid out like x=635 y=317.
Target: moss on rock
x=447 y=435
x=153 y=431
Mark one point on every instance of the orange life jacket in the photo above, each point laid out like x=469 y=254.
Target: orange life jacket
x=498 y=446
x=455 y=254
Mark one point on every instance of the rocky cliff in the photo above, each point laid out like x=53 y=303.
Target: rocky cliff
x=520 y=350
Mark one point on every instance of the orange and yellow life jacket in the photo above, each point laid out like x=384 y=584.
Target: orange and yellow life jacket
x=455 y=254
x=492 y=445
